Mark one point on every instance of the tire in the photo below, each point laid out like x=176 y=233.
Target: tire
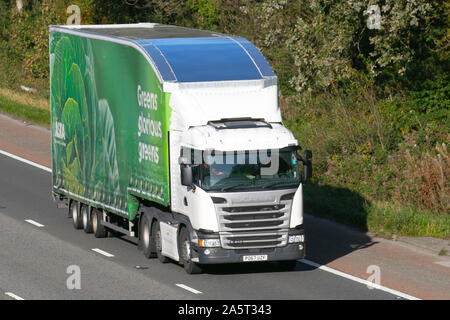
x=287 y=265
x=98 y=229
x=75 y=214
x=146 y=242
x=157 y=240
x=86 y=218
x=184 y=247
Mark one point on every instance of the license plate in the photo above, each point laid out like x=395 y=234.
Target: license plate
x=260 y=257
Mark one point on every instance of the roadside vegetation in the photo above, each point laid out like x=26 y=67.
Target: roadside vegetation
x=25 y=111
x=367 y=91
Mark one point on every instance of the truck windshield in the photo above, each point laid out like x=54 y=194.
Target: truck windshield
x=248 y=171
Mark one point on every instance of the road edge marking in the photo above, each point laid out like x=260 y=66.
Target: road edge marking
x=185 y=287
x=14 y=296
x=34 y=164
x=443 y=263
x=359 y=280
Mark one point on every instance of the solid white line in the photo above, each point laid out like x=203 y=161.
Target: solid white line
x=31 y=163
x=109 y=255
x=185 y=287
x=305 y=261
x=443 y=263
x=14 y=296
x=356 y=279
x=37 y=224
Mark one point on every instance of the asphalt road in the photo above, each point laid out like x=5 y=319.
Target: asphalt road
x=34 y=260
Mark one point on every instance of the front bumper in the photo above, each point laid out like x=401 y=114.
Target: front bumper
x=291 y=251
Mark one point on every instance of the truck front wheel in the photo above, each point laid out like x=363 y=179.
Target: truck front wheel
x=75 y=214
x=184 y=247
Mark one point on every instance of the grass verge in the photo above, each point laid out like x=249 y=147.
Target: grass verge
x=381 y=219
x=25 y=98
x=386 y=220
x=25 y=111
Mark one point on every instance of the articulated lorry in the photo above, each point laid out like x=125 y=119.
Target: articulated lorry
x=174 y=136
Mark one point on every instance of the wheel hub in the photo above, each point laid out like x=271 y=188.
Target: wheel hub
x=74 y=214
x=145 y=236
x=85 y=218
x=94 y=222
x=186 y=250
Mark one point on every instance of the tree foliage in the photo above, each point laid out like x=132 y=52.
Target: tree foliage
x=364 y=83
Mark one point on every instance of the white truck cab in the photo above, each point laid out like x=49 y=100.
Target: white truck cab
x=235 y=172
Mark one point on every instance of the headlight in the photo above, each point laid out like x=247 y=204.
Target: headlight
x=209 y=243
x=288 y=196
x=218 y=200
x=297 y=238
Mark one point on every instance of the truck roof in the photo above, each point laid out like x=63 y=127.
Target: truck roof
x=143 y=31
x=183 y=54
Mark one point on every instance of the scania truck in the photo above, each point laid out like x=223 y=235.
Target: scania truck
x=174 y=136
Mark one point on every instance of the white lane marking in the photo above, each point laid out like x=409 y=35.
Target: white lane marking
x=109 y=255
x=356 y=279
x=443 y=263
x=185 y=287
x=308 y=262
x=37 y=224
x=14 y=296
x=31 y=163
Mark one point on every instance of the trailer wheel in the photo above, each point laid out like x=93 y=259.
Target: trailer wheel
x=75 y=214
x=145 y=238
x=98 y=229
x=157 y=240
x=184 y=247
x=86 y=219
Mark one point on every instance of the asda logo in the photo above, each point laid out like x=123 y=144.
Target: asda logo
x=59 y=130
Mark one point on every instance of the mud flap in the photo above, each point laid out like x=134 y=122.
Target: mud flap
x=169 y=245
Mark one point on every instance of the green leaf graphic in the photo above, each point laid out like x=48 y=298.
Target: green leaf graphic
x=88 y=161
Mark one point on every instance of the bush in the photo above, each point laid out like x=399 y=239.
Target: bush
x=422 y=179
x=374 y=147
x=28 y=38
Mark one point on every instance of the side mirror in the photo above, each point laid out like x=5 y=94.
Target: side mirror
x=307 y=165
x=183 y=160
x=186 y=175
x=307 y=154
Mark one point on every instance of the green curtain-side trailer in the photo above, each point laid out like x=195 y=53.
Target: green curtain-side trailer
x=110 y=122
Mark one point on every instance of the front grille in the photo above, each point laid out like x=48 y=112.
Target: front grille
x=237 y=217
x=252 y=226
x=273 y=208
x=253 y=240
x=251 y=218
x=268 y=244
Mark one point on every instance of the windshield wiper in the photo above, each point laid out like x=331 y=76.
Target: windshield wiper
x=277 y=183
x=234 y=186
